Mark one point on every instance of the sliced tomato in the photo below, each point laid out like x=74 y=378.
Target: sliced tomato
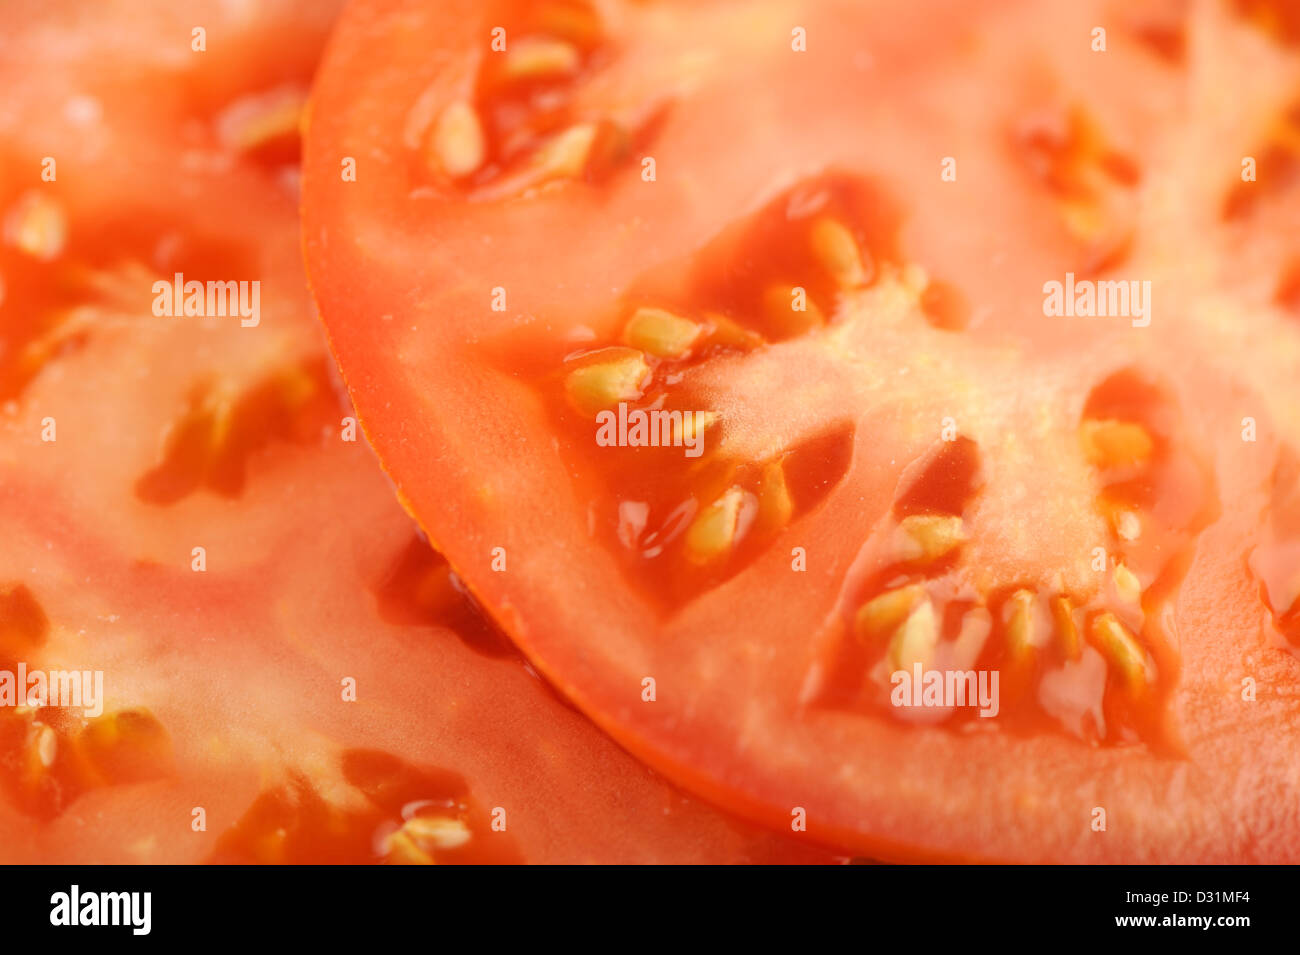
x=823 y=235
x=290 y=673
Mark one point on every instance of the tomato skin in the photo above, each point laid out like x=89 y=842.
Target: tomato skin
x=405 y=272
x=176 y=433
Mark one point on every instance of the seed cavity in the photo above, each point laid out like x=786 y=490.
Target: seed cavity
x=944 y=480
x=945 y=306
x=1278 y=18
x=787 y=320
x=23 y=623
x=520 y=126
x=227 y=421
x=127 y=746
x=1092 y=183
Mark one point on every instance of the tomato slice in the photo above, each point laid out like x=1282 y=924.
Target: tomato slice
x=290 y=673
x=715 y=346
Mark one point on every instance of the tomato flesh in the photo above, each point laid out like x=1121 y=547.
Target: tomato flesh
x=891 y=411
x=187 y=511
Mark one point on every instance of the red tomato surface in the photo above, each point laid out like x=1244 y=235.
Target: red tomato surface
x=312 y=679
x=830 y=229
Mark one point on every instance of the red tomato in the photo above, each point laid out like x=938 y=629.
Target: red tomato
x=837 y=241
x=289 y=673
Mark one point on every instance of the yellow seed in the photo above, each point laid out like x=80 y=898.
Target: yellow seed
x=540 y=58
x=714 y=532
x=775 y=506
x=976 y=625
x=457 y=144
x=1110 y=443
x=914 y=278
x=1022 y=635
x=401 y=848
x=37 y=226
x=438 y=832
x=915 y=641
x=295 y=386
x=838 y=252
x=576 y=22
x=267 y=120
x=880 y=616
x=1084 y=219
x=660 y=332
x=118 y=285
x=1127 y=525
x=1121 y=648
x=219 y=408
x=564 y=156
x=730 y=334
x=602 y=384
x=1127 y=584
x=421 y=838
x=1066 y=629
x=47 y=746
x=690 y=427
x=927 y=537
